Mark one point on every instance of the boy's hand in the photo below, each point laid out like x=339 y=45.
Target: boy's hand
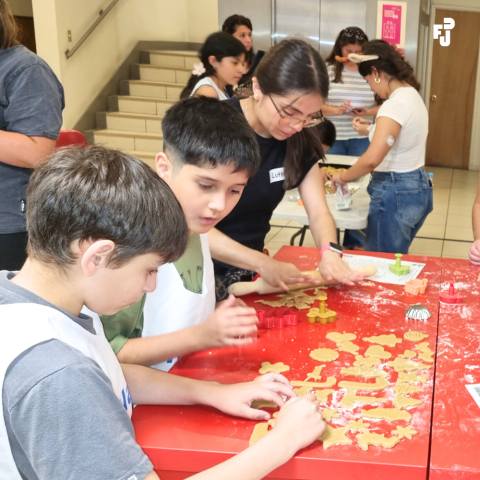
x=237 y=399
x=281 y=274
x=231 y=324
x=299 y=422
x=474 y=253
x=332 y=267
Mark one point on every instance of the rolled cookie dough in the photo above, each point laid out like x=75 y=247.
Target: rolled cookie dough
x=259 y=431
x=377 y=351
x=364 y=440
x=380 y=384
x=324 y=354
x=322 y=395
x=351 y=397
x=405 y=432
x=408 y=354
x=413 y=377
x=358 y=426
x=366 y=361
x=401 y=402
x=403 y=389
x=387 y=340
x=341 y=337
x=348 y=347
x=415 y=336
x=366 y=372
x=328 y=414
x=278 y=367
x=335 y=436
x=405 y=365
x=390 y=414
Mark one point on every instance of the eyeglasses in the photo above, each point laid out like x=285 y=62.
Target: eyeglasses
x=315 y=120
x=350 y=32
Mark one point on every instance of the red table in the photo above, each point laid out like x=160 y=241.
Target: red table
x=456 y=418
x=183 y=440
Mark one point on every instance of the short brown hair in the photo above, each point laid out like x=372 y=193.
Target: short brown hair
x=9 y=30
x=97 y=193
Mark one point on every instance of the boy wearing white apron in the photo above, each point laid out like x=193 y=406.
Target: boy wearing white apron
x=207 y=177
x=65 y=400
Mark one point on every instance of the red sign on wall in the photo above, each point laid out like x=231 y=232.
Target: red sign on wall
x=391 y=22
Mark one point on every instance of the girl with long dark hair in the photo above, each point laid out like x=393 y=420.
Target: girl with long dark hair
x=221 y=66
x=289 y=89
x=400 y=191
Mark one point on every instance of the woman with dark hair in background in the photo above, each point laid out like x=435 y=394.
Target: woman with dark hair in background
x=221 y=66
x=31 y=103
x=289 y=89
x=400 y=191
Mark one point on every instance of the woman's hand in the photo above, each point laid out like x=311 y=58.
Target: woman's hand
x=359 y=112
x=336 y=178
x=332 y=267
x=474 y=253
x=360 y=125
x=345 y=106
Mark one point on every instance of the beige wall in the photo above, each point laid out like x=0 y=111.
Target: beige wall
x=130 y=21
x=21 y=8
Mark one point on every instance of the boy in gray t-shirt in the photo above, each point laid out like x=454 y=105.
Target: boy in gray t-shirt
x=100 y=224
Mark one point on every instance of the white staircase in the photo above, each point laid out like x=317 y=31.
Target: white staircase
x=133 y=122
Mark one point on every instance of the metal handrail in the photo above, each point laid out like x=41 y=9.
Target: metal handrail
x=103 y=14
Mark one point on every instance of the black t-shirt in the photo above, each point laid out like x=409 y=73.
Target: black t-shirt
x=249 y=222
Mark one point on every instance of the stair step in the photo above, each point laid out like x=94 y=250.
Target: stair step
x=157 y=73
x=171 y=58
x=132 y=122
x=159 y=90
x=135 y=104
x=131 y=141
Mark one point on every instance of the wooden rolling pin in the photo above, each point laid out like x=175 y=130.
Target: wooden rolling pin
x=263 y=288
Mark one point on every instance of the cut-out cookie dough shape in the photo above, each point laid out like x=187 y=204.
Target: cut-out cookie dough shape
x=405 y=365
x=324 y=354
x=329 y=382
x=402 y=402
x=380 y=384
x=366 y=361
x=366 y=372
x=335 y=436
x=322 y=395
x=426 y=357
x=259 y=431
x=390 y=414
x=351 y=397
x=278 y=367
x=316 y=374
x=423 y=347
x=302 y=391
x=405 y=432
x=328 y=414
x=414 y=336
x=358 y=426
x=408 y=354
x=377 y=351
x=387 y=340
x=341 y=337
x=273 y=420
x=364 y=440
x=348 y=347
x=404 y=389
x=413 y=377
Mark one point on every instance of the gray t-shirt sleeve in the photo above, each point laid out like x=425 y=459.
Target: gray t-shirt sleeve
x=35 y=102
x=69 y=423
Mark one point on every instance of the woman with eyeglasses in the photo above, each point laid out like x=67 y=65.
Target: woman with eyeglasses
x=400 y=191
x=289 y=89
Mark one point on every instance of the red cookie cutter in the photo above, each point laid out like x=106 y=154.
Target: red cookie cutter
x=282 y=317
x=451 y=296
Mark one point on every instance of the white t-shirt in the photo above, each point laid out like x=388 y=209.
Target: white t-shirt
x=207 y=81
x=406 y=107
x=354 y=88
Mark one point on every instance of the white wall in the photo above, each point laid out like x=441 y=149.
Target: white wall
x=130 y=21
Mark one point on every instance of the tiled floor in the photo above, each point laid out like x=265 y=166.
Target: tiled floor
x=447 y=231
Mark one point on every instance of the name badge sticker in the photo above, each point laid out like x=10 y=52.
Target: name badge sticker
x=277 y=175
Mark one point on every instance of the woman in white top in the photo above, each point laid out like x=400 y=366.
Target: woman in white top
x=400 y=190
x=222 y=59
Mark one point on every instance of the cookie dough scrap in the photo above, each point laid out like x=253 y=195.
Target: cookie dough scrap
x=322 y=395
x=351 y=397
x=329 y=382
x=366 y=361
x=328 y=414
x=335 y=436
x=358 y=426
x=377 y=351
x=401 y=402
x=324 y=354
x=259 y=431
x=408 y=354
x=273 y=303
x=413 y=377
x=316 y=374
x=387 y=340
x=414 y=336
x=405 y=432
x=341 y=337
x=380 y=384
x=364 y=440
x=366 y=372
x=348 y=347
x=390 y=414
x=278 y=367
x=406 y=365
x=404 y=389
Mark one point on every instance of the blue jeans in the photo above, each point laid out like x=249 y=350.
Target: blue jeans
x=354 y=147
x=399 y=204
